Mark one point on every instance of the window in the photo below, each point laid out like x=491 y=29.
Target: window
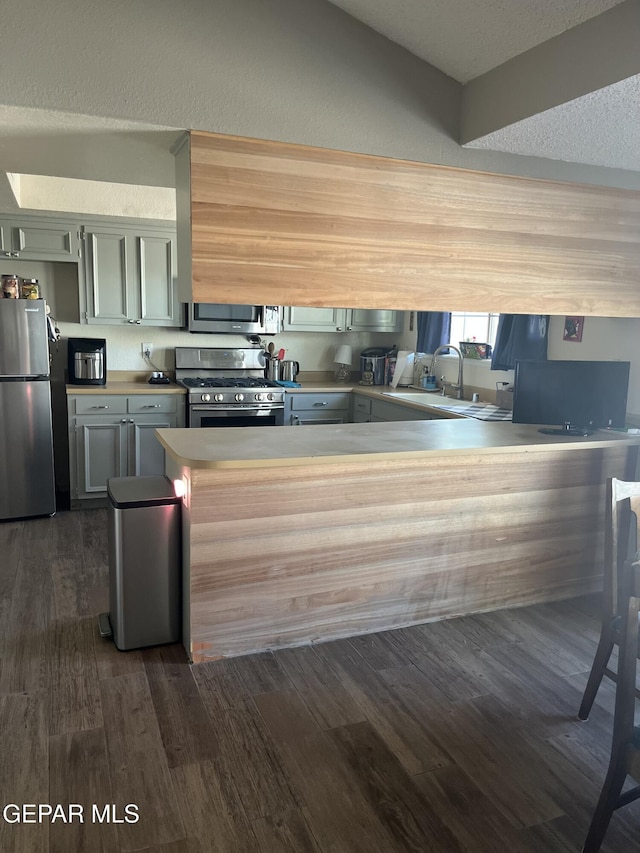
x=466 y=326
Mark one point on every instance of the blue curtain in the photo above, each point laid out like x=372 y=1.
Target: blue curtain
x=434 y=328
x=520 y=337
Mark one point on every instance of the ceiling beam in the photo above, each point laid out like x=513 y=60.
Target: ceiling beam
x=601 y=51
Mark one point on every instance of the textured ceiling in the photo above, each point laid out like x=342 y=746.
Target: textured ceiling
x=463 y=38
x=466 y=38
x=601 y=128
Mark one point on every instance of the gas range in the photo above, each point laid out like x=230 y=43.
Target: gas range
x=227 y=387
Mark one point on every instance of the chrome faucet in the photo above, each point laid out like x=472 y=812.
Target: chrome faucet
x=459 y=387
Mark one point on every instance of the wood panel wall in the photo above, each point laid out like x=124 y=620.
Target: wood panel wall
x=283 y=557
x=287 y=224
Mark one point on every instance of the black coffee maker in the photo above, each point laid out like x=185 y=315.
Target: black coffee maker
x=87 y=361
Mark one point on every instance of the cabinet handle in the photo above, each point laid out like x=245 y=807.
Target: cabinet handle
x=339 y=329
x=323 y=403
x=131 y=322
x=131 y=421
x=349 y=328
x=123 y=421
x=99 y=407
x=152 y=406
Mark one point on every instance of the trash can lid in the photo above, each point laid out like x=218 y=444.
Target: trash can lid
x=141 y=491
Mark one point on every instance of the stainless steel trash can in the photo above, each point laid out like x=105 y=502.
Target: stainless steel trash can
x=144 y=530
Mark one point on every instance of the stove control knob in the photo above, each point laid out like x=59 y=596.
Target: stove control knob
x=260 y=397
x=205 y=398
x=218 y=397
x=239 y=398
x=269 y=396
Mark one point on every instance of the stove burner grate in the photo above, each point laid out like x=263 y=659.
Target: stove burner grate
x=227 y=382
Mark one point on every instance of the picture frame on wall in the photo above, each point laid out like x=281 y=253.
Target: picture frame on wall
x=573 y=327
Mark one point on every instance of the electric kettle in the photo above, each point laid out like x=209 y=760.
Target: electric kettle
x=289 y=370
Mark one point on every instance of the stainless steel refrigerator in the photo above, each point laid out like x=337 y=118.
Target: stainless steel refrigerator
x=27 y=484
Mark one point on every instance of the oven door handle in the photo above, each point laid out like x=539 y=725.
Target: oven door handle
x=243 y=409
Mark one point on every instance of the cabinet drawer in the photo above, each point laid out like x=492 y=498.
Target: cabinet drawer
x=147 y=404
x=319 y=402
x=98 y=404
x=362 y=404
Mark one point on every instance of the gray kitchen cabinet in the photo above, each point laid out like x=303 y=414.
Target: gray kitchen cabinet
x=373 y=320
x=130 y=276
x=361 y=409
x=33 y=239
x=329 y=408
x=382 y=410
x=113 y=436
x=303 y=319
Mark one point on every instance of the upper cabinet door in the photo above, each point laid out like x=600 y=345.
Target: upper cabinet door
x=301 y=319
x=5 y=237
x=157 y=279
x=109 y=277
x=373 y=320
x=45 y=241
x=39 y=240
x=131 y=276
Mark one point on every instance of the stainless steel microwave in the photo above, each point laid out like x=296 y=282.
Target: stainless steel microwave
x=233 y=319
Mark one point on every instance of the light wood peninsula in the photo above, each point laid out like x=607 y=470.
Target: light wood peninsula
x=298 y=535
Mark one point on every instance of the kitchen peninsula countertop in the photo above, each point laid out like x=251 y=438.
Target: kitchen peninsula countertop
x=362 y=442
x=297 y=535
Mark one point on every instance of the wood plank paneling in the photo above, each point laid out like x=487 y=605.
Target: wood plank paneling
x=351 y=548
x=290 y=224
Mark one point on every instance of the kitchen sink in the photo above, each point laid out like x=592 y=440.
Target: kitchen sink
x=426 y=398
x=459 y=408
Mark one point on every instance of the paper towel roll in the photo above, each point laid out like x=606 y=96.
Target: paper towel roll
x=403 y=374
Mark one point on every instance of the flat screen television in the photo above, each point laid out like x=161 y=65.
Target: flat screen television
x=578 y=396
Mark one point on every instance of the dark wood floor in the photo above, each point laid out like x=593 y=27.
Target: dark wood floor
x=453 y=736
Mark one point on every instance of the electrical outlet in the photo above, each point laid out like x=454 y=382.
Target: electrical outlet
x=147 y=350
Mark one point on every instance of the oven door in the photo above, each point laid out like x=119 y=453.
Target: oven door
x=238 y=416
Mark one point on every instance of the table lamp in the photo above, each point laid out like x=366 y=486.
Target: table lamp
x=344 y=360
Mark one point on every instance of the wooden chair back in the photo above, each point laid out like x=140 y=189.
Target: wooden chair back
x=625 y=747
x=621 y=538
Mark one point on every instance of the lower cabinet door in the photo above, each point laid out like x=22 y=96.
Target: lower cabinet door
x=146 y=456
x=101 y=453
